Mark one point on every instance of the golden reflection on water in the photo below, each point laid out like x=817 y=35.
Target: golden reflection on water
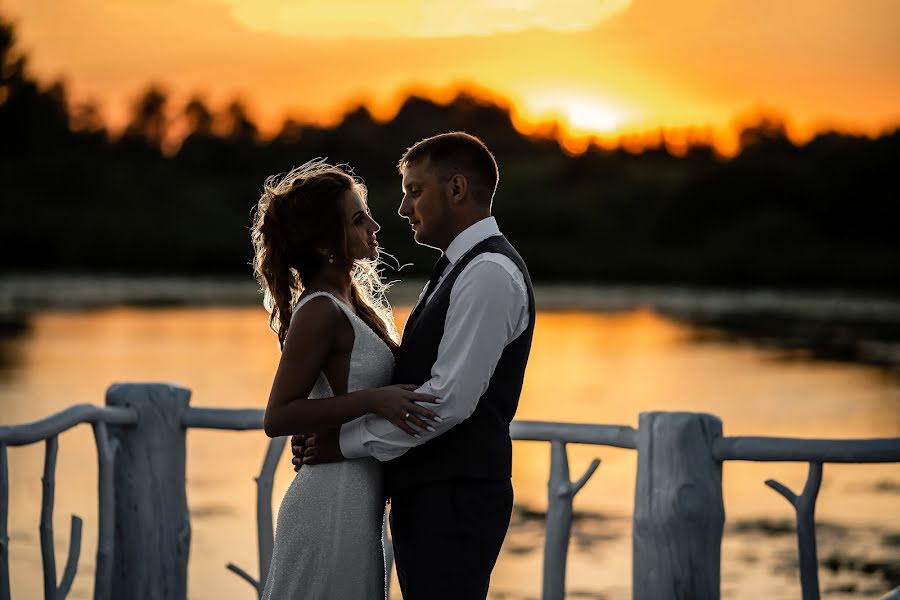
x=585 y=367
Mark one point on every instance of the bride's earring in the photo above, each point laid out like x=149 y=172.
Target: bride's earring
x=331 y=259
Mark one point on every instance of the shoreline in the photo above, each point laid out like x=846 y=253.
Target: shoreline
x=30 y=292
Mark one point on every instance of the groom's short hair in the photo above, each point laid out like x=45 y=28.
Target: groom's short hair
x=462 y=152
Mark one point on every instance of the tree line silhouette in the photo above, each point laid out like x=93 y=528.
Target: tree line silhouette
x=75 y=197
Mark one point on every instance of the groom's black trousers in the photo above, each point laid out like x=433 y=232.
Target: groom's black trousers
x=447 y=536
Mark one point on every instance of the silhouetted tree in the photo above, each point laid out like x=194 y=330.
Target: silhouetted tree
x=199 y=118
x=239 y=128
x=768 y=130
x=149 y=122
x=86 y=119
x=29 y=116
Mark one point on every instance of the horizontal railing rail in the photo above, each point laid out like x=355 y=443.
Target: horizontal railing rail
x=619 y=436
x=777 y=449
x=235 y=419
x=680 y=456
x=36 y=431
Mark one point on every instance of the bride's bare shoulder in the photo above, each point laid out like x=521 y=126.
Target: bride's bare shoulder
x=319 y=319
x=319 y=309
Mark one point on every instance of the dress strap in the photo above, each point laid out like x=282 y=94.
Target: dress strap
x=341 y=305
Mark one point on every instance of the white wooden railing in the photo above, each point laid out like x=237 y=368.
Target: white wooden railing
x=678 y=511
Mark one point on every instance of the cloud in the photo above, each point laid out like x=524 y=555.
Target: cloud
x=414 y=19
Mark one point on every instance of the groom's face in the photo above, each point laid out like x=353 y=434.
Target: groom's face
x=425 y=204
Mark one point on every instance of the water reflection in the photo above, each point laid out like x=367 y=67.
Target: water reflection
x=586 y=366
x=10 y=342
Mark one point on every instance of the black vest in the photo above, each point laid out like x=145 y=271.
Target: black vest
x=479 y=447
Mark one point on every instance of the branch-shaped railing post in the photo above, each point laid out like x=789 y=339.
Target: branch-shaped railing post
x=264 y=529
x=388 y=547
x=265 y=526
x=72 y=561
x=679 y=512
x=4 y=518
x=106 y=507
x=561 y=493
x=805 y=507
x=48 y=558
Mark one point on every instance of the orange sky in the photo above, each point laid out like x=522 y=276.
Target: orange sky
x=605 y=67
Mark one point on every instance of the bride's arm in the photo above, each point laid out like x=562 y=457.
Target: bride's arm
x=310 y=340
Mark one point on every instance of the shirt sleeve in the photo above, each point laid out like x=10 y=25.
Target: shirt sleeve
x=488 y=309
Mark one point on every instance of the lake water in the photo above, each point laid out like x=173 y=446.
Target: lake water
x=587 y=366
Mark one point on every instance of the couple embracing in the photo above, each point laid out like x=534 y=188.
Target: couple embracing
x=424 y=422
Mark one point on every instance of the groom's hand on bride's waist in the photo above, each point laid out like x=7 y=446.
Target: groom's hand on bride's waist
x=316 y=449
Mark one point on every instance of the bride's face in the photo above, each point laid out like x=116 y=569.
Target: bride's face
x=360 y=228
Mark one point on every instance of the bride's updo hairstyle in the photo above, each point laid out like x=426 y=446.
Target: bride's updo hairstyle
x=298 y=213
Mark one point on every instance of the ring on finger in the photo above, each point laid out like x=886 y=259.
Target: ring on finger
x=406 y=416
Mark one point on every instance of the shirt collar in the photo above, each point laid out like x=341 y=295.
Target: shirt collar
x=470 y=236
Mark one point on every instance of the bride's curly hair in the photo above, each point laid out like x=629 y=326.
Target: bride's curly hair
x=297 y=213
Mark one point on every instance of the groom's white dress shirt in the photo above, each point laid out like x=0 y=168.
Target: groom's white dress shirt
x=488 y=309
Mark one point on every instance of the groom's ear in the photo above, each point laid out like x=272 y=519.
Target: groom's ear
x=459 y=185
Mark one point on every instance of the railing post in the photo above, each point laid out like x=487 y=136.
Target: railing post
x=152 y=527
x=678 y=508
x=560 y=495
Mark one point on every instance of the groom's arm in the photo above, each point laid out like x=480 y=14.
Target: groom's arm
x=488 y=309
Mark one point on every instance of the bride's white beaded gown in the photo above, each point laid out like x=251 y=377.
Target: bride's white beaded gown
x=328 y=533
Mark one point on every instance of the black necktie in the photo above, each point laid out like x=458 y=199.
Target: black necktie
x=436 y=273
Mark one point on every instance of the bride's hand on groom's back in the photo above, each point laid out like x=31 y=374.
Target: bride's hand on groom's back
x=398 y=404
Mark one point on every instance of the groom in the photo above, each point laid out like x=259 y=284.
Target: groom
x=467 y=342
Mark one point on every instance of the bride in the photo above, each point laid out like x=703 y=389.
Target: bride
x=315 y=259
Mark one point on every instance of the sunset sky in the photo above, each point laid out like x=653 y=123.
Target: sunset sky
x=602 y=67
